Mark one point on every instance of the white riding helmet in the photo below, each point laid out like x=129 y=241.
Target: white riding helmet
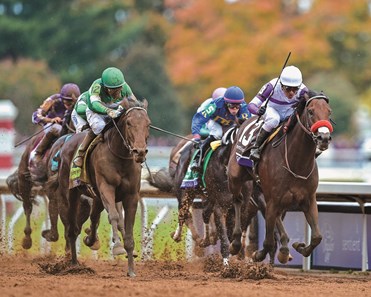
x=291 y=77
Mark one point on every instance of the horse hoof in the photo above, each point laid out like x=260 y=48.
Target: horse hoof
x=131 y=274
x=283 y=255
x=298 y=245
x=49 y=236
x=95 y=246
x=27 y=243
x=118 y=249
x=234 y=248
x=257 y=256
x=175 y=238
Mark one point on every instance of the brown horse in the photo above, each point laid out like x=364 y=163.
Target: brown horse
x=114 y=176
x=21 y=183
x=217 y=200
x=287 y=171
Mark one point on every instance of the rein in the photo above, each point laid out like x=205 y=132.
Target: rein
x=309 y=132
x=126 y=143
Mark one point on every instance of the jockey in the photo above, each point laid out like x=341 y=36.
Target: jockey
x=282 y=96
x=78 y=115
x=222 y=111
x=51 y=113
x=218 y=92
x=110 y=88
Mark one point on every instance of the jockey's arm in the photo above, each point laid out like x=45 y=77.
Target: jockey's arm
x=39 y=116
x=97 y=105
x=202 y=117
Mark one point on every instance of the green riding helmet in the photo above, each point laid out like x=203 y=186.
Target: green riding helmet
x=113 y=78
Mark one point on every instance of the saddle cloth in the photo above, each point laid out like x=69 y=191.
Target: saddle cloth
x=79 y=175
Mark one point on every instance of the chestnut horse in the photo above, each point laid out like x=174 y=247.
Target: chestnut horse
x=287 y=172
x=113 y=171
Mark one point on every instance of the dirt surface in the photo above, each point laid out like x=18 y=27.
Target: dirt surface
x=23 y=275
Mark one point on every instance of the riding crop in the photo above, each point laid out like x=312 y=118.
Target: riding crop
x=270 y=95
x=171 y=133
x=38 y=132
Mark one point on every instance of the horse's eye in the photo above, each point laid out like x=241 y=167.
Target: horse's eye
x=310 y=111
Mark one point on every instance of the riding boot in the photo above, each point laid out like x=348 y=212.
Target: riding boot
x=255 y=150
x=79 y=159
x=43 y=146
x=197 y=162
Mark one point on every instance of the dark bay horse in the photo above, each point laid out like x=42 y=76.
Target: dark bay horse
x=22 y=184
x=287 y=171
x=217 y=200
x=114 y=176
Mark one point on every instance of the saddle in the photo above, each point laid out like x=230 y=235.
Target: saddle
x=244 y=146
x=79 y=175
x=192 y=178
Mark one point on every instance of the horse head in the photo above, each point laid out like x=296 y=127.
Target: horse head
x=317 y=114
x=135 y=128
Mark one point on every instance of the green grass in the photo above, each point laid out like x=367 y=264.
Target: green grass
x=164 y=247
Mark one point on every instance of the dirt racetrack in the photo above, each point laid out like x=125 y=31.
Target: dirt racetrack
x=23 y=275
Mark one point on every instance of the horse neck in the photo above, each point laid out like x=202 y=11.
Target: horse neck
x=116 y=144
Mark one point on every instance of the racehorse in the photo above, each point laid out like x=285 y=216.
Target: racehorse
x=113 y=171
x=21 y=182
x=217 y=199
x=287 y=172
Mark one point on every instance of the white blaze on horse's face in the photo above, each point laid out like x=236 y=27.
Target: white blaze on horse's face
x=321 y=125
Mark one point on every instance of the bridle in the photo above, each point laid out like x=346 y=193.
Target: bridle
x=124 y=140
x=310 y=130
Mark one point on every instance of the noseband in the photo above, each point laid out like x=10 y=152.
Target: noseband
x=312 y=129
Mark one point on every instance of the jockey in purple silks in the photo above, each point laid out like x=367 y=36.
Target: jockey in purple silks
x=281 y=103
x=50 y=114
x=222 y=111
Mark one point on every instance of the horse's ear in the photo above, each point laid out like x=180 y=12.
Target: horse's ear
x=145 y=103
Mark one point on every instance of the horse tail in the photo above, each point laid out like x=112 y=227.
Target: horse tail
x=162 y=180
x=13 y=185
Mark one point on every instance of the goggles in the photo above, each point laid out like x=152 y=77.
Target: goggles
x=290 y=89
x=233 y=105
x=68 y=102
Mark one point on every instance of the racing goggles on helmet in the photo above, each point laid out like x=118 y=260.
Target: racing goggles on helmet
x=289 y=89
x=233 y=105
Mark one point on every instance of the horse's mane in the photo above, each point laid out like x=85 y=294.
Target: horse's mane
x=300 y=106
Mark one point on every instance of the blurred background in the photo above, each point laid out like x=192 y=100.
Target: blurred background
x=176 y=52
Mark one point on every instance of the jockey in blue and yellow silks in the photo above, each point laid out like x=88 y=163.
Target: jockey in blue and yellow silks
x=221 y=112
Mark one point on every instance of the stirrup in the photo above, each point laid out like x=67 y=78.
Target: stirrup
x=255 y=155
x=78 y=161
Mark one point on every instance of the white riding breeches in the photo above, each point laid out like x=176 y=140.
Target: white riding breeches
x=96 y=121
x=215 y=129
x=78 y=121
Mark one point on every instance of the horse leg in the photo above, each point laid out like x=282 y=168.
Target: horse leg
x=121 y=224
x=222 y=232
x=312 y=218
x=92 y=239
x=51 y=234
x=269 y=242
x=130 y=204
x=72 y=228
x=206 y=215
x=284 y=254
x=25 y=187
x=235 y=245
